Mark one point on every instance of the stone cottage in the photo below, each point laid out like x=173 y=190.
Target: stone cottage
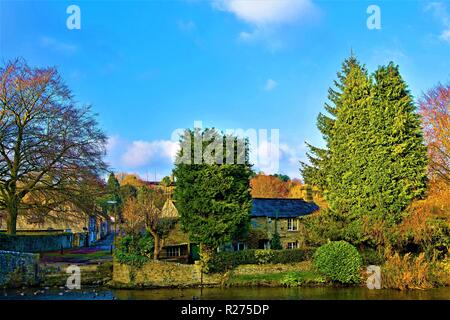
x=267 y=215
x=284 y=216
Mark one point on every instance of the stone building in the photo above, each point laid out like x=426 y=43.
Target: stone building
x=87 y=228
x=267 y=216
x=284 y=216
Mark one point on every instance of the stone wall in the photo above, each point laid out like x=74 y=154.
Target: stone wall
x=163 y=274
x=36 y=242
x=18 y=269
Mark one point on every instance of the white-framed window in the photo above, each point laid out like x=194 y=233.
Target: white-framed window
x=292 y=224
x=239 y=246
x=173 y=251
x=292 y=245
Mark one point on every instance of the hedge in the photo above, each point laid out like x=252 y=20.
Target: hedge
x=222 y=261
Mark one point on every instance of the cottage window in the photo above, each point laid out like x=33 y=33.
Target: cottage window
x=292 y=224
x=239 y=246
x=292 y=245
x=173 y=251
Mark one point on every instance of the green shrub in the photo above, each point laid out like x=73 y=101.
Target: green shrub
x=134 y=250
x=340 y=261
x=263 y=256
x=275 y=242
x=290 y=256
x=222 y=261
x=291 y=280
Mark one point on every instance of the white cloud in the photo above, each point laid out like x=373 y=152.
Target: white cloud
x=266 y=18
x=270 y=85
x=141 y=153
x=246 y=36
x=265 y=12
x=445 y=35
x=272 y=157
x=56 y=45
x=112 y=143
x=439 y=10
x=186 y=26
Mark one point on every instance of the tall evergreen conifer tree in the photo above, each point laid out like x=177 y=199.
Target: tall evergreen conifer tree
x=397 y=168
x=374 y=163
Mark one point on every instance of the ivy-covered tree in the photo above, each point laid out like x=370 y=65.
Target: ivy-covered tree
x=212 y=197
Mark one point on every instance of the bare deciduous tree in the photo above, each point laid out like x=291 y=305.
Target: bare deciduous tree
x=49 y=147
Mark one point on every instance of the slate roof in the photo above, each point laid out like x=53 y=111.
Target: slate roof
x=286 y=208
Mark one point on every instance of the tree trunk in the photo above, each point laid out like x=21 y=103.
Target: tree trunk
x=156 y=243
x=11 y=221
x=157 y=246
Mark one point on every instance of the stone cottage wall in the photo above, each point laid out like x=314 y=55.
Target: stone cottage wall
x=262 y=224
x=18 y=269
x=163 y=274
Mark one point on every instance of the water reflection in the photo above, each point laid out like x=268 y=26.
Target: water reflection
x=255 y=293
x=283 y=294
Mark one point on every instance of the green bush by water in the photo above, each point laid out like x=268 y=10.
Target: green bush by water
x=340 y=261
x=134 y=250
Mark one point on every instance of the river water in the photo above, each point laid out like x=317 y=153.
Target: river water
x=238 y=293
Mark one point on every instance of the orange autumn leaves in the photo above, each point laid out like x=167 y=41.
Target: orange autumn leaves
x=269 y=186
x=422 y=213
x=434 y=109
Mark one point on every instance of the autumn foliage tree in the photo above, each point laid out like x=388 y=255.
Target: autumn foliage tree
x=145 y=212
x=49 y=146
x=434 y=107
x=267 y=186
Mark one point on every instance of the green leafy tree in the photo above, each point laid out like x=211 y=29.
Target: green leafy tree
x=213 y=199
x=128 y=191
x=112 y=194
x=166 y=181
x=282 y=177
x=113 y=189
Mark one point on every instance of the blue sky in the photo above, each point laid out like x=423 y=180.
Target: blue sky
x=150 y=67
